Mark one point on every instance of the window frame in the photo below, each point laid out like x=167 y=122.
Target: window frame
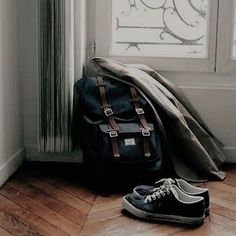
x=103 y=39
x=225 y=63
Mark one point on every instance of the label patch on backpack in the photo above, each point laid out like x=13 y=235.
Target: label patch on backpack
x=130 y=142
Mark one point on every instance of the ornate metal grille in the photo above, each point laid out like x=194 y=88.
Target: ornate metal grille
x=163 y=28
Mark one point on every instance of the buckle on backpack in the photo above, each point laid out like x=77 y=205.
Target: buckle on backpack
x=113 y=133
x=108 y=111
x=139 y=111
x=145 y=132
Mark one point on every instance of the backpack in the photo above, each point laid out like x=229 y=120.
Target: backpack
x=116 y=129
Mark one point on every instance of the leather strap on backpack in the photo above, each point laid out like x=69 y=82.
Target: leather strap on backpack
x=113 y=128
x=143 y=122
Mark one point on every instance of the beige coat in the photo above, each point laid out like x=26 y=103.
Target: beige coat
x=191 y=149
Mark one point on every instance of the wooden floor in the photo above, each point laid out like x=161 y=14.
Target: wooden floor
x=43 y=200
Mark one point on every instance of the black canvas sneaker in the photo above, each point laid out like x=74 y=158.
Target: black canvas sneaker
x=167 y=204
x=184 y=186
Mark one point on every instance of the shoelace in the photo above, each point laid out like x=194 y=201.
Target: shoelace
x=166 y=181
x=158 y=193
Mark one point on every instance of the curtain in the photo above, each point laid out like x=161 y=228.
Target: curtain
x=56 y=74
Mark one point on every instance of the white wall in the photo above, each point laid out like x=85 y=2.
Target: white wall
x=213 y=95
x=11 y=122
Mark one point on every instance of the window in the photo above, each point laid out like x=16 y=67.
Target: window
x=234 y=37
x=189 y=35
x=163 y=28
x=226 y=47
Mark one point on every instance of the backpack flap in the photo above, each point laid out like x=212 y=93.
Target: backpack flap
x=130 y=140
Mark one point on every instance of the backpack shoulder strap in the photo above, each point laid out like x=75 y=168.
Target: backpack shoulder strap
x=143 y=122
x=113 y=128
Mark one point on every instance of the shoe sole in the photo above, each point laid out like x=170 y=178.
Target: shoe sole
x=207 y=210
x=160 y=217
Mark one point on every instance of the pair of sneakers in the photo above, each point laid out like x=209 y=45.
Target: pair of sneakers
x=172 y=200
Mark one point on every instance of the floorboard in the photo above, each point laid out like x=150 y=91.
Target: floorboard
x=57 y=206
x=28 y=218
x=3 y=232
x=57 y=193
x=10 y=225
x=44 y=199
x=40 y=210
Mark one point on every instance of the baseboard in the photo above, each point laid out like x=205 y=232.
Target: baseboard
x=230 y=153
x=32 y=154
x=9 y=167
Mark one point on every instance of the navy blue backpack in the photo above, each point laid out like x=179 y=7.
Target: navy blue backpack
x=115 y=127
